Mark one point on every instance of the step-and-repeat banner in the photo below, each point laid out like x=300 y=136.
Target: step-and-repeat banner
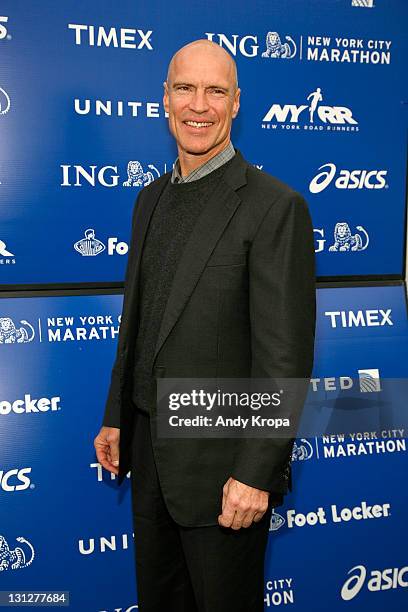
x=338 y=542
x=83 y=128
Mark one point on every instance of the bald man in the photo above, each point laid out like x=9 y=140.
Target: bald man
x=220 y=282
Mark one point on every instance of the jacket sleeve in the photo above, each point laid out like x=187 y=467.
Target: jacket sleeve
x=111 y=416
x=282 y=306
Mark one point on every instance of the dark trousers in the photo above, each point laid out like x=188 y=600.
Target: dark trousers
x=190 y=569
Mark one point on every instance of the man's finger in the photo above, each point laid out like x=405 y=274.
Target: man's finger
x=111 y=460
x=225 y=520
x=224 y=500
x=227 y=516
x=239 y=519
x=249 y=519
x=225 y=490
x=114 y=454
x=102 y=453
x=105 y=462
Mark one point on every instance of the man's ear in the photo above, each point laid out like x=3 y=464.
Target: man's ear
x=235 y=107
x=166 y=97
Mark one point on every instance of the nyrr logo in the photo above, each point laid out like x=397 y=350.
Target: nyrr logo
x=15 y=480
x=4 y=35
x=344 y=240
x=98 y=36
x=379 y=580
x=5 y=102
x=15 y=558
x=108 y=176
x=312 y=116
x=347 y=179
x=91 y=246
x=7 y=257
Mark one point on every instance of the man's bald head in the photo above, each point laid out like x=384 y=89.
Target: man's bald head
x=198 y=50
x=201 y=97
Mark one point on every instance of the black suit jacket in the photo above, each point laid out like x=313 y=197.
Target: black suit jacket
x=242 y=304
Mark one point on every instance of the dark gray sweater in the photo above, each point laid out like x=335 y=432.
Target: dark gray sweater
x=171 y=224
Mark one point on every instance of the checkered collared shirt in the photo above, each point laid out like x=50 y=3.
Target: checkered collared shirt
x=210 y=165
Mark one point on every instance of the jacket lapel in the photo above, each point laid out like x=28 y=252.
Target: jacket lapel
x=209 y=227
x=141 y=223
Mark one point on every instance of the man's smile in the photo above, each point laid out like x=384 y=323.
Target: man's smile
x=198 y=124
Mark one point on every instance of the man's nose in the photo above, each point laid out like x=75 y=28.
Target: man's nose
x=198 y=101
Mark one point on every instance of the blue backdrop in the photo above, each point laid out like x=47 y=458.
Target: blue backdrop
x=348 y=503
x=82 y=130
x=81 y=99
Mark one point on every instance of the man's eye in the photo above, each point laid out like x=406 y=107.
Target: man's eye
x=182 y=87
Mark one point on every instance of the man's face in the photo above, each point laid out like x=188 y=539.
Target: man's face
x=201 y=99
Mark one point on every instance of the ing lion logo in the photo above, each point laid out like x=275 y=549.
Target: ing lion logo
x=302 y=450
x=344 y=240
x=14 y=558
x=136 y=175
x=276 y=49
x=9 y=333
x=4 y=102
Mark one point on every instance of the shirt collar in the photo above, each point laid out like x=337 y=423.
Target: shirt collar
x=209 y=166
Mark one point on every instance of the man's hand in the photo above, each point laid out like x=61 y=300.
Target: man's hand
x=242 y=504
x=107 y=448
